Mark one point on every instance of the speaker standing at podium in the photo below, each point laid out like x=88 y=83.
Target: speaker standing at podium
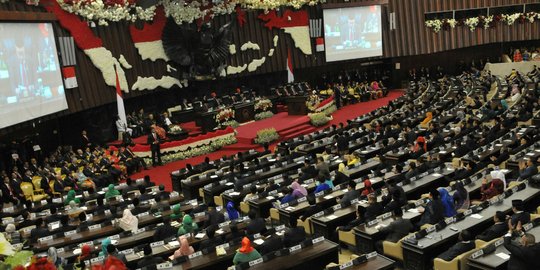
x=154 y=141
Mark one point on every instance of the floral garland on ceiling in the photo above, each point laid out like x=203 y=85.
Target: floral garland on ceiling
x=105 y=11
x=482 y=21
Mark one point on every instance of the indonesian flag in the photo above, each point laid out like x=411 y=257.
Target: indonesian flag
x=319 y=42
x=70 y=81
x=119 y=99
x=295 y=23
x=290 y=75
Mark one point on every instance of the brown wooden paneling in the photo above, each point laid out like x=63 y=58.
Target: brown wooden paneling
x=413 y=38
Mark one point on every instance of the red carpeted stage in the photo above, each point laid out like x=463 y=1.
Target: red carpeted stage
x=287 y=127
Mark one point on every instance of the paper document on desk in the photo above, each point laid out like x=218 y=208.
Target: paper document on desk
x=503 y=255
x=200 y=236
x=258 y=242
x=477 y=216
x=413 y=210
x=437 y=174
x=220 y=231
x=332 y=217
x=328 y=197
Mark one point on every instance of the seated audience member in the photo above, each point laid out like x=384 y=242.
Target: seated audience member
x=298 y=190
x=164 y=231
x=523 y=255
x=246 y=253
x=184 y=250
x=83 y=220
x=494 y=188
x=177 y=212
x=465 y=244
x=104 y=244
x=145 y=196
x=271 y=244
x=294 y=235
x=527 y=169
x=518 y=214
x=396 y=230
x=39 y=231
x=71 y=197
x=188 y=226
x=66 y=226
x=26 y=221
x=252 y=193
x=433 y=212
x=113 y=251
x=12 y=235
x=256 y=224
x=213 y=217
x=138 y=208
x=289 y=197
x=148 y=258
x=368 y=189
x=461 y=197
x=111 y=192
x=312 y=209
x=447 y=202
x=496 y=230
x=128 y=222
x=351 y=193
x=211 y=242
x=323 y=185
x=232 y=213
x=394 y=203
x=235 y=234
x=147 y=182
x=360 y=218
x=374 y=208
x=54 y=216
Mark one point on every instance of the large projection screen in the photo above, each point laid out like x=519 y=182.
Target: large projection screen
x=352 y=33
x=30 y=75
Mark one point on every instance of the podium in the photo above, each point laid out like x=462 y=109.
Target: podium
x=296 y=105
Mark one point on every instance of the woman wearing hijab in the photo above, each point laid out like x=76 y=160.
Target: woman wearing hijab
x=429 y=117
x=111 y=192
x=12 y=235
x=184 y=250
x=461 y=197
x=492 y=189
x=246 y=253
x=298 y=190
x=128 y=222
x=188 y=226
x=71 y=197
x=496 y=174
x=448 y=202
x=232 y=213
x=85 y=255
x=368 y=189
x=177 y=213
x=52 y=256
x=106 y=242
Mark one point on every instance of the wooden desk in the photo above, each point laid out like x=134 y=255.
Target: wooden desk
x=420 y=256
x=492 y=261
x=379 y=262
x=316 y=256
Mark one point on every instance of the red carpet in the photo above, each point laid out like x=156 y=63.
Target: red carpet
x=287 y=126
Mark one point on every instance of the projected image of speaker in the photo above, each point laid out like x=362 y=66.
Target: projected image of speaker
x=352 y=32
x=29 y=73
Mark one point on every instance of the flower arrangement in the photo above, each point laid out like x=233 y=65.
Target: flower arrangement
x=319 y=119
x=224 y=115
x=175 y=129
x=263 y=115
x=105 y=11
x=266 y=135
x=472 y=23
x=483 y=21
x=196 y=151
x=313 y=102
x=193 y=10
x=509 y=19
x=263 y=105
x=435 y=24
x=231 y=123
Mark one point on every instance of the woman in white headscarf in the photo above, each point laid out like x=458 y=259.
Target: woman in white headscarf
x=497 y=174
x=129 y=222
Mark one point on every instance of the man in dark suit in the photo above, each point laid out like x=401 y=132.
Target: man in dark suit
x=164 y=231
x=525 y=255
x=351 y=193
x=519 y=214
x=85 y=140
x=496 y=230
x=154 y=142
x=256 y=224
x=39 y=231
x=527 y=169
x=294 y=235
x=312 y=209
x=210 y=243
x=396 y=230
x=374 y=209
x=148 y=259
x=465 y=244
x=213 y=217
x=272 y=244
